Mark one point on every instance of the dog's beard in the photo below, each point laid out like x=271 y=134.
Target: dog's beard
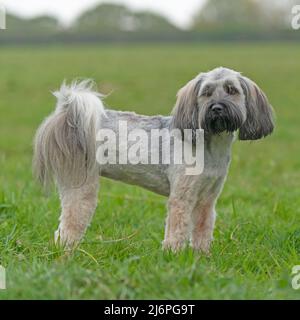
x=229 y=119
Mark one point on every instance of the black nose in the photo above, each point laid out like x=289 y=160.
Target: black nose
x=217 y=108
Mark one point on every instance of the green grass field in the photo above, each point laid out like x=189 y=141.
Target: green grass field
x=257 y=235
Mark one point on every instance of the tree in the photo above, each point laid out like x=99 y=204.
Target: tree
x=103 y=18
x=227 y=14
x=111 y=18
x=150 y=22
x=40 y=26
x=243 y=15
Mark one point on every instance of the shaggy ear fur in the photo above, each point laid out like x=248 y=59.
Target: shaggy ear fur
x=259 y=122
x=185 y=112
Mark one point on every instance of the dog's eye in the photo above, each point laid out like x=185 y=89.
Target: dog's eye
x=230 y=89
x=207 y=92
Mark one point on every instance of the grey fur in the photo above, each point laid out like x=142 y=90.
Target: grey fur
x=65 y=144
x=220 y=101
x=185 y=112
x=259 y=121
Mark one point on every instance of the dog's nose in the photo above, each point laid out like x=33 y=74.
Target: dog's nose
x=217 y=108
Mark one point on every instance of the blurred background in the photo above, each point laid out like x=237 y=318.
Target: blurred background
x=140 y=52
x=95 y=21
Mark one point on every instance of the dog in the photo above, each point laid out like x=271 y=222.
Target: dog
x=222 y=102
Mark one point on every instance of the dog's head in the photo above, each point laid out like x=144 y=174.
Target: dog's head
x=224 y=100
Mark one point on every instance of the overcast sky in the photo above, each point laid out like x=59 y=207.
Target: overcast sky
x=179 y=12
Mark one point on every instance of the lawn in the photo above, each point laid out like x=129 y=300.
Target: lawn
x=257 y=235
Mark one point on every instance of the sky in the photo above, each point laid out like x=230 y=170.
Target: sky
x=180 y=12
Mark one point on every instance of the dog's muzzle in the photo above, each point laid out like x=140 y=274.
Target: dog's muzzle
x=217 y=108
x=220 y=117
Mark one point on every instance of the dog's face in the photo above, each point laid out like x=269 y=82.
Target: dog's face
x=223 y=100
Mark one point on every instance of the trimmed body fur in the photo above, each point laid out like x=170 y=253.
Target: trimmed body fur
x=220 y=101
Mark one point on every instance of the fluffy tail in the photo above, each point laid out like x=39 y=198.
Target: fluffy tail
x=65 y=143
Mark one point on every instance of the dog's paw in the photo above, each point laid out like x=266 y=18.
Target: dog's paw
x=65 y=239
x=202 y=244
x=173 y=245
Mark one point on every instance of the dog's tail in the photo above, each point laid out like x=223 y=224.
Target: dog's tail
x=65 y=143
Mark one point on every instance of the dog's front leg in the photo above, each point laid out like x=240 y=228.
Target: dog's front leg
x=78 y=206
x=203 y=221
x=177 y=224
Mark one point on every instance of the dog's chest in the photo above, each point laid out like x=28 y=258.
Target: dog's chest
x=216 y=163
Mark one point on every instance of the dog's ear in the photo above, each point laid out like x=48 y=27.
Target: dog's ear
x=185 y=112
x=259 y=122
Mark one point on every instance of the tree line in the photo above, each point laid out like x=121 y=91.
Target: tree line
x=216 y=20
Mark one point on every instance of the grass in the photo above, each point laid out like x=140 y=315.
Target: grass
x=257 y=235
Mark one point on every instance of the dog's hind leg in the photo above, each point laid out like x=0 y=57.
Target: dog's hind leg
x=65 y=153
x=77 y=208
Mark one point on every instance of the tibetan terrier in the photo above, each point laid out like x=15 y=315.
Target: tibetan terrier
x=222 y=103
